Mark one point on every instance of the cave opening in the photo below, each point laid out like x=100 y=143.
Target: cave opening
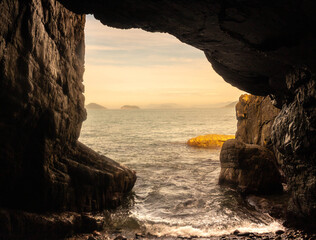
x=178 y=96
x=266 y=48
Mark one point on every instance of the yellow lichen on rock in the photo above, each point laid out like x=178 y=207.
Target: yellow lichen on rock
x=244 y=97
x=209 y=140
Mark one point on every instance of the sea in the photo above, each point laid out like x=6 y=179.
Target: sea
x=177 y=191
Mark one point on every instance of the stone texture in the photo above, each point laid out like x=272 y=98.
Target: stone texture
x=249 y=167
x=294 y=138
x=43 y=167
x=255 y=117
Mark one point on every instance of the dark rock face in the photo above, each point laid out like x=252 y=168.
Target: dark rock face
x=294 y=138
x=249 y=167
x=43 y=167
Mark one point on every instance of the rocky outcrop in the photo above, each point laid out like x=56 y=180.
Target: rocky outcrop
x=209 y=140
x=255 y=117
x=43 y=167
x=249 y=162
x=249 y=167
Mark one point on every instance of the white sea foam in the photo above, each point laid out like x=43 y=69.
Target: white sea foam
x=177 y=191
x=189 y=231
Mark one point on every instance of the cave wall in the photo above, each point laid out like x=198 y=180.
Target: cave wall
x=41 y=64
x=294 y=139
x=43 y=167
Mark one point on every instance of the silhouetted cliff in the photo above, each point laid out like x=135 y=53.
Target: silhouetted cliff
x=43 y=166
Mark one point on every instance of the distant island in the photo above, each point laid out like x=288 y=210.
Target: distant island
x=94 y=106
x=129 y=107
x=231 y=105
x=163 y=106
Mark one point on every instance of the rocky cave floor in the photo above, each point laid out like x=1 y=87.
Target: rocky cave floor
x=288 y=234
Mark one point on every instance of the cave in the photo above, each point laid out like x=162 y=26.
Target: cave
x=264 y=48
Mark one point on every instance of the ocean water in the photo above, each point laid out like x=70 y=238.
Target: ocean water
x=177 y=191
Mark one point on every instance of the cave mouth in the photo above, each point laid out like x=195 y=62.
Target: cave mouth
x=177 y=191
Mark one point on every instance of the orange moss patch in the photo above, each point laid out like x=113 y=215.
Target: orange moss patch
x=209 y=140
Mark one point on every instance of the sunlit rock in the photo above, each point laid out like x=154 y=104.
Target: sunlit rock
x=255 y=117
x=209 y=140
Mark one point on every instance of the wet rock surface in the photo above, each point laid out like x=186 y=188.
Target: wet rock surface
x=249 y=167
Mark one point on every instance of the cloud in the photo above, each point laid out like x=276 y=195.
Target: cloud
x=137 y=67
x=106 y=45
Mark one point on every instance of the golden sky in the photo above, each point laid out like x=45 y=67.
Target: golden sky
x=134 y=67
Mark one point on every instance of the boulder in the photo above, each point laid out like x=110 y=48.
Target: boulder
x=251 y=168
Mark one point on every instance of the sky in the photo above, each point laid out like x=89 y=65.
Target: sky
x=135 y=67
